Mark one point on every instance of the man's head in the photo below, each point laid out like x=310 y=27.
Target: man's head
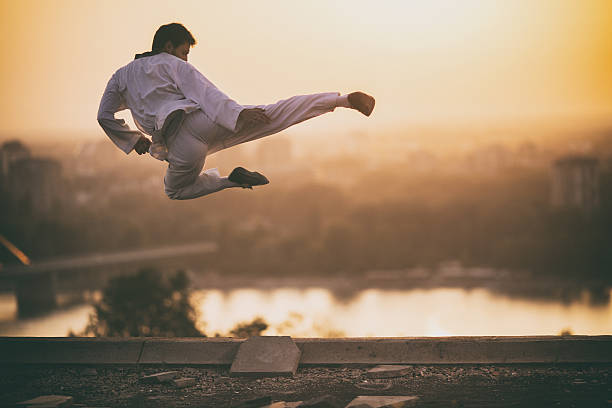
x=174 y=39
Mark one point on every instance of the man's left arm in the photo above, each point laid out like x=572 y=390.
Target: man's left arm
x=117 y=130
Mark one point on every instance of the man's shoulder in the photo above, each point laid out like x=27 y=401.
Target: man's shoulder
x=158 y=60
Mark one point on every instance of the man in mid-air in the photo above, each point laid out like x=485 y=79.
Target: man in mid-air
x=188 y=117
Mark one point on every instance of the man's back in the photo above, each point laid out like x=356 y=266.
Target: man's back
x=149 y=89
x=152 y=88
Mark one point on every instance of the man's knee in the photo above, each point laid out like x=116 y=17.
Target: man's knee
x=176 y=183
x=174 y=194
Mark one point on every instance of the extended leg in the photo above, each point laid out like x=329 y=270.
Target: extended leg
x=282 y=114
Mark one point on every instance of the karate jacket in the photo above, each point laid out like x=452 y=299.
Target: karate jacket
x=153 y=88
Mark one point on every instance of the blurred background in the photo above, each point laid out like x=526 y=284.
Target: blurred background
x=476 y=200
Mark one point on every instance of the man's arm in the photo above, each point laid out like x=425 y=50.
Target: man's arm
x=116 y=129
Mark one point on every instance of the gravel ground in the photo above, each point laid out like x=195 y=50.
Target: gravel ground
x=436 y=386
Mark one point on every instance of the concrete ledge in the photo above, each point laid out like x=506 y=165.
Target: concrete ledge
x=457 y=350
x=221 y=351
x=196 y=351
x=69 y=350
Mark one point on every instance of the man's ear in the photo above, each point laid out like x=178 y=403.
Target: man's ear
x=168 y=47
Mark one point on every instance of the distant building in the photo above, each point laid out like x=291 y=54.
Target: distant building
x=10 y=153
x=35 y=185
x=489 y=159
x=575 y=182
x=527 y=155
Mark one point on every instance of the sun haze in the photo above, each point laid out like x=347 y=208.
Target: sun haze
x=438 y=61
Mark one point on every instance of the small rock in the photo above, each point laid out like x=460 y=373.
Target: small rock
x=89 y=372
x=184 y=382
x=373 y=386
x=166 y=376
x=160 y=398
x=50 y=401
x=388 y=371
x=399 y=401
x=323 y=401
x=254 y=403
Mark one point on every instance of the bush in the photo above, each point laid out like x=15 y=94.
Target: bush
x=244 y=330
x=145 y=305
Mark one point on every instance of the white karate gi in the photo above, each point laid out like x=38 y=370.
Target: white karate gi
x=154 y=87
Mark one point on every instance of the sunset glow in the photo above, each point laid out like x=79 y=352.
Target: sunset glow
x=426 y=61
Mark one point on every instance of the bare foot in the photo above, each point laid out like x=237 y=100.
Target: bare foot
x=364 y=103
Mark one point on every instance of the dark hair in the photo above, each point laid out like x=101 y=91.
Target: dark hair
x=176 y=33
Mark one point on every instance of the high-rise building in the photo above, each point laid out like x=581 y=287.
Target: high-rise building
x=35 y=183
x=575 y=182
x=10 y=153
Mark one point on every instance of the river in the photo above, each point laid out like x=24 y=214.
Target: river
x=318 y=312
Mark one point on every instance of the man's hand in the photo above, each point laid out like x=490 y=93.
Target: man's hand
x=252 y=117
x=142 y=145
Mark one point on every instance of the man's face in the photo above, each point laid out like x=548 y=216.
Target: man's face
x=180 y=52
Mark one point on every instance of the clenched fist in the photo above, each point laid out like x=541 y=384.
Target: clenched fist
x=142 y=145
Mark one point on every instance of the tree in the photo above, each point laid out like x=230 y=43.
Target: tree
x=255 y=328
x=145 y=305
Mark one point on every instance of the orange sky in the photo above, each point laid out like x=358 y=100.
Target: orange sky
x=425 y=61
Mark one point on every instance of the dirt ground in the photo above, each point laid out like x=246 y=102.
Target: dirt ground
x=562 y=385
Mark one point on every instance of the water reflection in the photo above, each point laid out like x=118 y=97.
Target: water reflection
x=374 y=312
x=316 y=312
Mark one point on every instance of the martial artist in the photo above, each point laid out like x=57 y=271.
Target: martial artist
x=189 y=118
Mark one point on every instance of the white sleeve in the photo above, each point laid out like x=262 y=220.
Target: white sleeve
x=218 y=106
x=118 y=131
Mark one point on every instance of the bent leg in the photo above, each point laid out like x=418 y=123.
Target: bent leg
x=283 y=114
x=179 y=187
x=186 y=156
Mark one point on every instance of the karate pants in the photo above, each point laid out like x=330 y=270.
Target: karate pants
x=199 y=136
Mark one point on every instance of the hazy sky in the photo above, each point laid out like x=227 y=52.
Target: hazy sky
x=425 y=61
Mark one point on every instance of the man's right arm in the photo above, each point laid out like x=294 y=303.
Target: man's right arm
x=218 y=106
x=116 y=129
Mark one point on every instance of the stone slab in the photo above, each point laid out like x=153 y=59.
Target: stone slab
x=157 y=378
x=253 y=403
x=262 y=356
x=184 y=382
x=374 y=401
x=322 y=401
x=69 y=350
x=47 y=401
x=207 y=350
x=388 y=371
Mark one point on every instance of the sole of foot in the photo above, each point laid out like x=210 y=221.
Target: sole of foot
x=247 y=179
x=363 y=102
